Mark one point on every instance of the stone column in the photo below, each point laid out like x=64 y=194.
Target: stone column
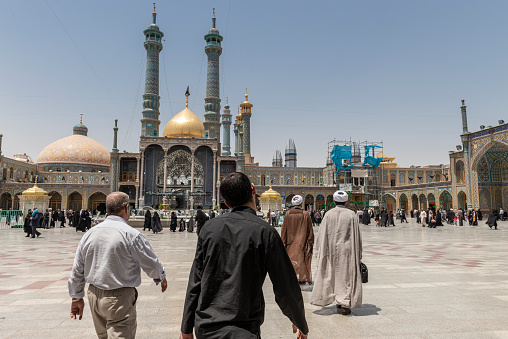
x=218 y=183
x=141 y=176
x=165 y=171
x=214 y=178
x=467 y=165
x=137 y=172
x=191 y=199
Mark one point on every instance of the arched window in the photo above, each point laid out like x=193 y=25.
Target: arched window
x=495 y=172
x=459 y=171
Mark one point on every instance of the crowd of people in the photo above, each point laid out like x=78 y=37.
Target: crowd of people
x=80 y=220
x=234 y=253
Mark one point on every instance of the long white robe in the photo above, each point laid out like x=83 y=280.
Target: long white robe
x=338 y=250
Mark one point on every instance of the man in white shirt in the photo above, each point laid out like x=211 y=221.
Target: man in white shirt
x=110 y=257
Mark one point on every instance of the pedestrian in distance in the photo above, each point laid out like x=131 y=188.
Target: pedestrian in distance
x=35 y=221
x=423 y=218
x=26 y=225
x=403 y=216
x=201 y=218
x=156 y=223
x=492 y=219
x=234 y=253
x=173 y=222
x=113 y=270
x=148 y=221
x=391 y=222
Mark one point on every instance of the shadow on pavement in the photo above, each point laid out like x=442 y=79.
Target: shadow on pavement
x=366 y=310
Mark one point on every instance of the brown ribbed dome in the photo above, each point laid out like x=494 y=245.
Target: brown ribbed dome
x=75 y=149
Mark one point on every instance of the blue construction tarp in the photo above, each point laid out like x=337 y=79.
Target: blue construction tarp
x=340 y=153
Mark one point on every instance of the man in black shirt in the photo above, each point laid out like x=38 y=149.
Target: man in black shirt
x=234 y=253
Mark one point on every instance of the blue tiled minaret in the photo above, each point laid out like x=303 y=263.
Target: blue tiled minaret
x=213 y=50
x=113 y=169
x=226 y=123
x=290 y=154
x=235 y=131
x=151 y=99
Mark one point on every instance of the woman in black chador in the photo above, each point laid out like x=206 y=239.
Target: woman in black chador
x=172 y=226
x=492 y=220
x=439 y=220
x=383 y=218
x=182 y=225
x=148 y=221
x=365 y=217
x=190 y=224
x=479 y=213
x=391 y=222
x=26 y=226
x=88 y=220
x=156 y=223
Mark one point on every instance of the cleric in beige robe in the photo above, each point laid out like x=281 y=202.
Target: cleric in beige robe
x=338 y=251
x=298 y=238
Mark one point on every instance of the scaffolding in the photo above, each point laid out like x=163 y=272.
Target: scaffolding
x=373 y=189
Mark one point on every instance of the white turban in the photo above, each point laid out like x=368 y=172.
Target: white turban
x=297 y=200
x=340 y=196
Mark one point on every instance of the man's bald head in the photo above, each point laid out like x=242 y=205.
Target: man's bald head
x=116 y=202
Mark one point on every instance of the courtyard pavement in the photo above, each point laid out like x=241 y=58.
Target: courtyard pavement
x=448 y=282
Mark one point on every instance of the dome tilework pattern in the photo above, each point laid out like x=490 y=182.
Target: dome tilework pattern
x=75 y=149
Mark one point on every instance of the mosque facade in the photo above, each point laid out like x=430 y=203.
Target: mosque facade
x=181 y=167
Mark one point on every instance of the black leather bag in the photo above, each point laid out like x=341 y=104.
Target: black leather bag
x=364 y=272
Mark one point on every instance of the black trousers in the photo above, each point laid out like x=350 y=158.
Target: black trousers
x=35 y=232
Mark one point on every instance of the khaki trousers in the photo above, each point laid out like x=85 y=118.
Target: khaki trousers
x=113 y=312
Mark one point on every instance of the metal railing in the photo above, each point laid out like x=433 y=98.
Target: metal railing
x=11 y=219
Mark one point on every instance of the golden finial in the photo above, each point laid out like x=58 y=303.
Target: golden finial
x=154 y=15
x=187 y=93
x=213 y=19
x=246 y=96
x=214 y=12
x=81 y=118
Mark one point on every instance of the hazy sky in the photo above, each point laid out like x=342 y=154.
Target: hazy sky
x=391 y=71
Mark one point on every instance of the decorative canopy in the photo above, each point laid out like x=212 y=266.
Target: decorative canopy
x=35 y=190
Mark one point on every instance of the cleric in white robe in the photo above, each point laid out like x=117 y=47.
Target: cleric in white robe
x=338 y=251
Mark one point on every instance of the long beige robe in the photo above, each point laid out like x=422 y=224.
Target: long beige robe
x=338 y=251
x=298 y=238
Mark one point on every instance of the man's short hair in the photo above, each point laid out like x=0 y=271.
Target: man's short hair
x=115 y=202
x=236 y=189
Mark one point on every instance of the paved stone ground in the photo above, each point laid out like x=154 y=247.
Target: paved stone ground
x=449 y=282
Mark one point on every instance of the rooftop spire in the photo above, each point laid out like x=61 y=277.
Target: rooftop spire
x=187 y=93
x=80 y=128
x=154 y=15
x=213 y=19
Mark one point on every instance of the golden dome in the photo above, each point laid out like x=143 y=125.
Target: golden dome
x=35 y=191
x=185 y=124
x=75 y=149
x=270 y=195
